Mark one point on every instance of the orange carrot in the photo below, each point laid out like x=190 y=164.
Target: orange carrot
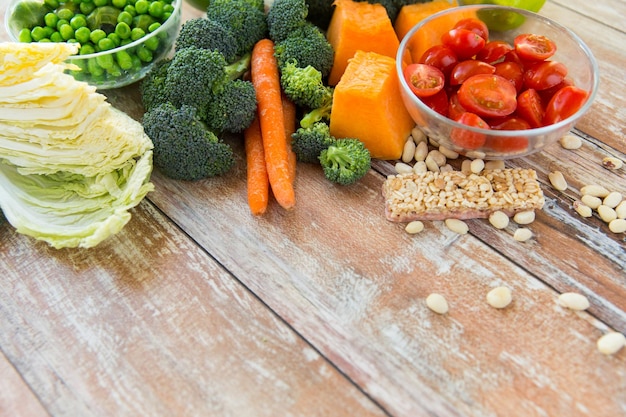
x=289 y=114
x=266 y=81
x=257 y=181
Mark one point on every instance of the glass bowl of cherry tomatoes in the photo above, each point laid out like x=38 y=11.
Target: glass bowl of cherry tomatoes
x=495 y=82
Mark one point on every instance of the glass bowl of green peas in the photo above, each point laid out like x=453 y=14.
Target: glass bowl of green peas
x=120 y=39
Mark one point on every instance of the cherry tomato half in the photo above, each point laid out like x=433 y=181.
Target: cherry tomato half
x=544 y=74
x=438 y=102
x=465 y=69
x=512 y=72
x=530 y=107
x=475 y=25
x=424 y=80
x=508 y=144
x=547 y=94
x=494 y=51
x=465 y=138
x=564 y=103
x=454 y=107
x=440 y=56
x=488 y=95
x=463 y=42
x=509 y=123
x=533 y=47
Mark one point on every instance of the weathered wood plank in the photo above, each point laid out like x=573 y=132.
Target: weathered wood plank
x=16 y=398
x=149 y=324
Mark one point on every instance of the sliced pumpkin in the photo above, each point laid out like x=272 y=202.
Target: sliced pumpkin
x=358 y=26
x=367 y=105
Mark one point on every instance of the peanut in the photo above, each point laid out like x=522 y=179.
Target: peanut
x=611 y=343
x=457 y=226
x=414 y=227
x=574 y=301
x=606 y=213
x=522 y=234
x=524 y=217
x=582 y=209
x=437 y=303
x=611 y=162
x=617 y=225
x=570 y=142
x=499 y=219
x=594 y=190
x=613 y=199
x=408 y=153
x=499 y=297
x=557 y=180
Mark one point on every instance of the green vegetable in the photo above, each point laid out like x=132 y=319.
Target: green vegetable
x=184 y=148
x=345 y=161
x=245 y=19
x=308 y=143
x=304 y=86
x=285 y=16
x=233 y=109
x=306 y=46
x=321 y=113
x=152 y=87
x=207 y=34
x=320 y=12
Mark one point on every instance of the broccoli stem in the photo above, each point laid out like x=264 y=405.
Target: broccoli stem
x=238 y=68
x=317 y=115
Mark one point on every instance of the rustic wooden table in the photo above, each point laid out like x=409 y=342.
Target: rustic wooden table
x=197 y=308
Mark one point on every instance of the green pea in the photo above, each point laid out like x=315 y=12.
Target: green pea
x=125 y=17
x=65 y=13
x=66 y=32
x=115 y=38
x=143 y=21
x=152 y=43
x=137 y=33
x=56 y=37
x=166 y=15
x=106 y=44
x=156 y=9
x=105 y=61
x=154 y=27
x=82 y=34
x=114 y=70
x=51 y=19
x=24 y=36
x=86 y=7
x=122 y=30
x=130 y=9
x=101 y=3
x=93 y=67
x=96 y=35
x=125 y=42
x=124 y=60
x=137 y=64
x=53 y=4
x=44 y=40
x=120 y=4
x=144 y=54
x=78 y=21
x=48 y=31
x=142 y=6
x=37 y=33
x=168 y=8
x=87 y=49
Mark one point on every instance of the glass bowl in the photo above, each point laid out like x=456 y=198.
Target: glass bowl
x=571 y=51
x=131 y=62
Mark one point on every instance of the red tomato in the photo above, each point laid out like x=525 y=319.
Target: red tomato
x=533 y=47
x=488 y=95
x=544 y=74
x=465 y=69
x=465 y=138
x=437 y=102
x=494 y=51
x=424 y=80
x=475 y=25
x=512 y=72
x=547 y=94
x=463 y=42
x=440 y=56
x=509 y=123
x=508 y=144
x=454 y=107
x=565 y=102
x=530 y=107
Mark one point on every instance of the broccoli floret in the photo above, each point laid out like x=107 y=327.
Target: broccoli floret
x=243 y=18
x=195 y=75
x=285 y=16
x=184 y=149
x=306 y=46
x=304 y=86
x=232 y=109
x=207 y=34
x=318 y=114
x=320 y=12
x=308 y=143
x=152 y=87
x=345 y=161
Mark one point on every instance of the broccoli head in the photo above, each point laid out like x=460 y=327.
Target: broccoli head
x=345 y=161
x=306 y=46
x=245 y=19
x=304 y=86
x=233 y=108
x=152 y=87
x=320 y=12
x=207 y=34
x=184 y=149
x=308 y=143
x=285 y=16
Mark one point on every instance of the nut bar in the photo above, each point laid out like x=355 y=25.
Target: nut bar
x=454 y=194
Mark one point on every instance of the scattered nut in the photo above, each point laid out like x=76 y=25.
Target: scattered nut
x=421 y=150
x=611 y=343
x=446 y=168
x=431 y=164
x=570 y=142
x=466 y=166
x=524 y=217
x=617 y=225
x=499 y=219
x=594 y=190
x=582 y=209
x=591 y=201
x=606 y=213
x=420 y=167
x=494 y=164
x=448 y=153
x=523 y=234
x=414 y=227
x=499 y=297
x=574 y=301
x=457 y=226
x=438 y=157
x=613 y=199
x=418 y=135
x=620 y=210
x=611 y=162
x=477 y=165
x=437 y=303
x=408 y=153
x=557 y=180
x=402 y=168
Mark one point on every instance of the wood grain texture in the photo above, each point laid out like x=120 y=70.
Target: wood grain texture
x=16 y=398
